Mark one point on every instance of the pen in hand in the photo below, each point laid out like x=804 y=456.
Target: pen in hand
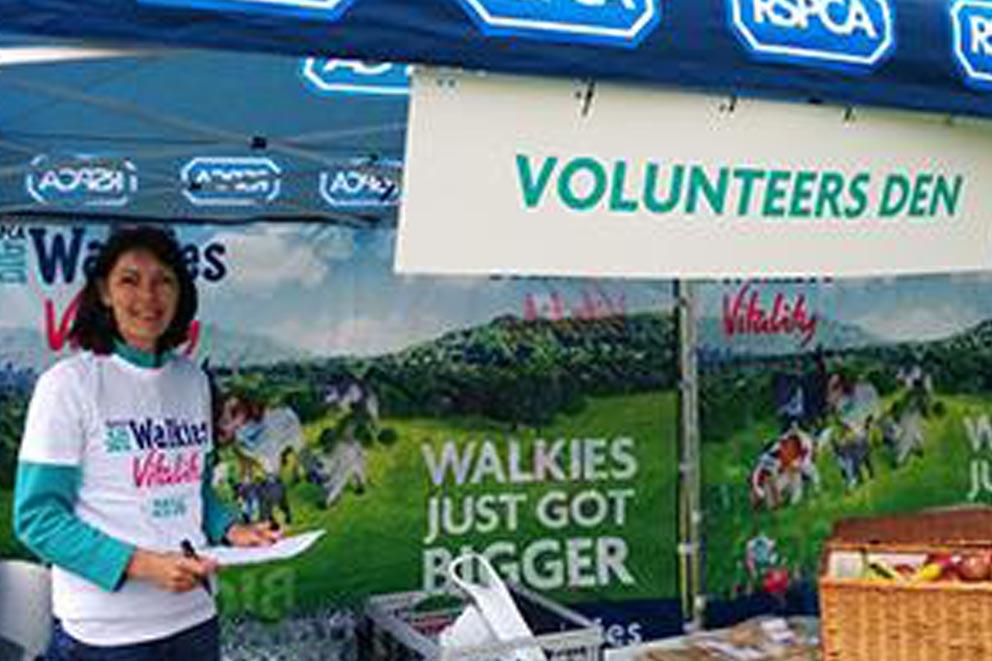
x=190 y=552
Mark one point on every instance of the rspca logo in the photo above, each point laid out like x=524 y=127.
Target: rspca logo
x=231 y=181
x=850 y=33
x=362 y=185
x=971 y=23
x=325 y=75
x=320 y=9
x=84 y=181
x=608 y=22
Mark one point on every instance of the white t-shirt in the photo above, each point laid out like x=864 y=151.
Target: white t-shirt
x=140 y=437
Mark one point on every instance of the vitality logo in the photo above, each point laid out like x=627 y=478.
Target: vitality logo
x=608 y=22
x=81 y=180
x=847 y=33
x=971 y=26
x=231 y=181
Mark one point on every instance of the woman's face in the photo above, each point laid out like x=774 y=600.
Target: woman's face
x=143 y=294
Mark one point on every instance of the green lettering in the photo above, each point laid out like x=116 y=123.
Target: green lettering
x=617 y=201
x=534 y=190
x=716 y=195
x=859 y=194
x=674 y=189
x=278 y=594
x=895 y=184
x=566 y=184
x=748 y=177
x=774 y=193
x=831 y=185
x=921 y=195
x=948 y=197
x=802 y=192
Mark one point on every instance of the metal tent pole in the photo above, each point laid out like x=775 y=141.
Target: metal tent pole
x=690 y=510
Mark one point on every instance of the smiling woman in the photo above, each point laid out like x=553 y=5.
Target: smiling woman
x=113 y=475
x=143 y=295
x=139 y=293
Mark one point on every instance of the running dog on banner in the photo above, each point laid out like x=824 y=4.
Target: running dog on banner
x=262 y=439
x=344 y=464
x=852 y=449
x=784 y=469
x=902 y=433
x=856 y=409
x=902 y=425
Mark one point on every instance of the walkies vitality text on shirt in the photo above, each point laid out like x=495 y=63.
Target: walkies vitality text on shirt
x=167 y=433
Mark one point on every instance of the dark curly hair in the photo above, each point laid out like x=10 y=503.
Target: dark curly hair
x=94 y=328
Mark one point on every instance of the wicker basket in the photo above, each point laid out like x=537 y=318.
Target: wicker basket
x=871 y=620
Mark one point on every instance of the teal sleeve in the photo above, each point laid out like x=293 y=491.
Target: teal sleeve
x=45 y=522
x=216 y=517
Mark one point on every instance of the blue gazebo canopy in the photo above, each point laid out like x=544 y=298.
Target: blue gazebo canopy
x=916 y=54
x=191 y=135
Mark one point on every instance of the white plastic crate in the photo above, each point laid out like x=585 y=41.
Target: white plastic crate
x=395 y=629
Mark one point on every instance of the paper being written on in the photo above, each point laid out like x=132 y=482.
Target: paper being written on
x=284 y=549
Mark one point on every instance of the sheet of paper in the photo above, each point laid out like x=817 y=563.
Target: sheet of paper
x=282 y=550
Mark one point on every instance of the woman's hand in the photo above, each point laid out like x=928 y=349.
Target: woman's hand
x=255 y=534
x=170 y=571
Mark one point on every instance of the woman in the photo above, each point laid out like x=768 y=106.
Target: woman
x=112 y=476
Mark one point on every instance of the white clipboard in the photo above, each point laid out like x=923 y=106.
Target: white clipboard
x=289 y=547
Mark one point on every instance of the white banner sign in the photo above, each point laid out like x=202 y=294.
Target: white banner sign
x=527 y=176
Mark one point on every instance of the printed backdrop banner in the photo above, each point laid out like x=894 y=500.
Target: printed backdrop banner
x=533 y=421
x=825 y=399
x=631 y=182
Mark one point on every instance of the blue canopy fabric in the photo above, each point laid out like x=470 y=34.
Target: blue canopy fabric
x=931 y=55
x=188 y=136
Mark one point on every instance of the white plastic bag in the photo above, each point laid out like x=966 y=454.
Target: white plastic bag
x=494 y=606
x=468 y=630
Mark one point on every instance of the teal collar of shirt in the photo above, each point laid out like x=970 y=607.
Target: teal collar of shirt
x=141 y=358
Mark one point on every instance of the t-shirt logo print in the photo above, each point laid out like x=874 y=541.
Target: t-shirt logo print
x=118 y=439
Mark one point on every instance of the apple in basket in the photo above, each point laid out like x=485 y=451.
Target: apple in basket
x=976 y=566
x=947 y=562
x=776 y=581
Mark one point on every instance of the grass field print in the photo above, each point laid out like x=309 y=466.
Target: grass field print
x=824 y=400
